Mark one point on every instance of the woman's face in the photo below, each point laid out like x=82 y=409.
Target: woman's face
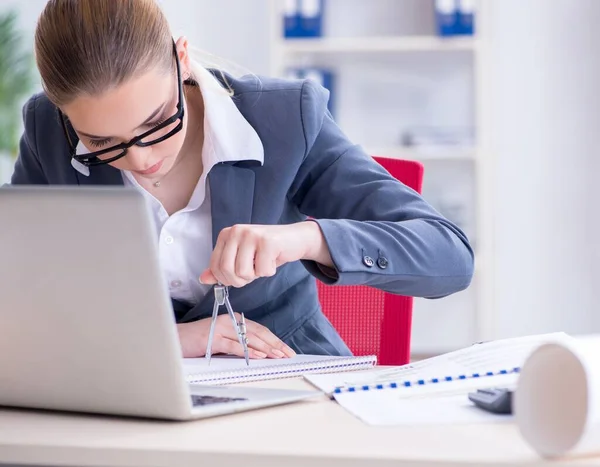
x=134 y=107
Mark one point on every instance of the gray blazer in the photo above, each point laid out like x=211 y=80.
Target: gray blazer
x=310 y=169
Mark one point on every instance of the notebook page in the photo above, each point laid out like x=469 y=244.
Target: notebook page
x=477 y=358
x=193 y=366
x=231 y=369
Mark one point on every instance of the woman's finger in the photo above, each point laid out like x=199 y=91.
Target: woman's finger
x=255 y=342
x=227 y=264
x=265 y=260
x=215 y=258
x=260 y=338
x=232 y=347
x=244 y=260
x=207 y=277
x=277 y=347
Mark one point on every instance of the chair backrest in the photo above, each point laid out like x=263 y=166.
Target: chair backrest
x=369 y=320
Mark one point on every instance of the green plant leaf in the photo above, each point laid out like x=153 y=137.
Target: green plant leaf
x=16 y=79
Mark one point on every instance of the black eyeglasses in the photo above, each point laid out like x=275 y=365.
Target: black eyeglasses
x=156 y=135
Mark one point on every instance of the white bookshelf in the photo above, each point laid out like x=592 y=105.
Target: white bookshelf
x=434 y=153
x=392 y=74
x=377 y=44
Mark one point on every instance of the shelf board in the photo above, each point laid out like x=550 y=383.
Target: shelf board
x=424 y=154
x=378 y=44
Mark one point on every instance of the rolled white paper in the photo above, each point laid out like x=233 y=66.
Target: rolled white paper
x=557 y=400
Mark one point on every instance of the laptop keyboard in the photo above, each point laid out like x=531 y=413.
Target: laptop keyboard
x=207 y=400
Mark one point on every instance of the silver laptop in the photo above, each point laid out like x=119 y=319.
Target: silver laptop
x=86 y=322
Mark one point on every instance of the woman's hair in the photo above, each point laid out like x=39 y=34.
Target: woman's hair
x=89 y=46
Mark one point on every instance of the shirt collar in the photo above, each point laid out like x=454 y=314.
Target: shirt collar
x=228 y=137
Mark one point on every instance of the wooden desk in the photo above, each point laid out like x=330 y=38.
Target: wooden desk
x=315 y=433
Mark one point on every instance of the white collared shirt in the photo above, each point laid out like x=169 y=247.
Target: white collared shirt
x=185 y=237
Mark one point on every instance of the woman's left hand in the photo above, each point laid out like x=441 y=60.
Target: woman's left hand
x=244 y=253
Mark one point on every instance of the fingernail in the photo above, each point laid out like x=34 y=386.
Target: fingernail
x=200 y=280
x=278 y=353
x=260 y=354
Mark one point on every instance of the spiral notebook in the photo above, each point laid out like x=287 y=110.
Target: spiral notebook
x=433 y=390
x=228 y=369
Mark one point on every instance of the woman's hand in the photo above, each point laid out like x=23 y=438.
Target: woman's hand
x=262 y=343
x=243 y=253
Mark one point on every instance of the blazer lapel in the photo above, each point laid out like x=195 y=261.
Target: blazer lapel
x=231 y=202
x=231 y=196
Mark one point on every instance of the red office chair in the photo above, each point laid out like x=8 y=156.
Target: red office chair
x=371 y=321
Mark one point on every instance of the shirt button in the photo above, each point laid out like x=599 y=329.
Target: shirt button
x=176 y=284
x=382 y=262
x=168 y=240
x=368 y=261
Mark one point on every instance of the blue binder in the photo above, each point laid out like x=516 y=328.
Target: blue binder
x=291 y=18
x=446 y=12
x=311 y=18
x=466 y=17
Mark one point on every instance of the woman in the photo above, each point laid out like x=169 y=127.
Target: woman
x=251 y=182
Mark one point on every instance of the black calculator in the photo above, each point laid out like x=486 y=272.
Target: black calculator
x=495 y=400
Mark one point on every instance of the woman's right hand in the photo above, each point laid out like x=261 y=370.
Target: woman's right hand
x=262 y=343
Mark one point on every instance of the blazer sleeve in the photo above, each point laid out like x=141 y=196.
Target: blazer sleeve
x=28 y=170
x=380 y=232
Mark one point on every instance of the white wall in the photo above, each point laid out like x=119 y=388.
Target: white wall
x=236 y=30
x=544 y=122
